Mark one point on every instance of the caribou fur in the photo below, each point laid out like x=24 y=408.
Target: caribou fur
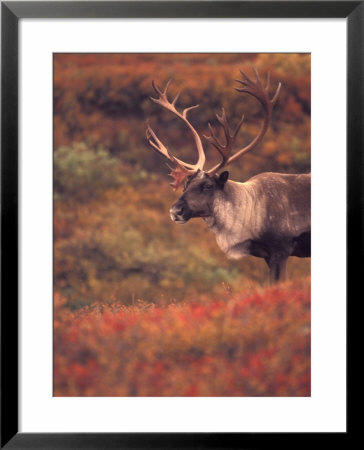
x=268 y=216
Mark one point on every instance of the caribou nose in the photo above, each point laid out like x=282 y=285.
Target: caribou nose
x=176 y=212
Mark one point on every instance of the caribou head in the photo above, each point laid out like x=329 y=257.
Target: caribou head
x=198 y=196
x=201 y=185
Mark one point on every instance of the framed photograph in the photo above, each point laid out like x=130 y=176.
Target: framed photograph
x=140 y=310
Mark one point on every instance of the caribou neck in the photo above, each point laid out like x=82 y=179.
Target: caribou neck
x=228 y=205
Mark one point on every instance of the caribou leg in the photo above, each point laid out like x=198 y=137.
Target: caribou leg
x=277 y=267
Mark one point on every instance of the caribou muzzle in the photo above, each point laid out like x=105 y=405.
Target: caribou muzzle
x=179 y=212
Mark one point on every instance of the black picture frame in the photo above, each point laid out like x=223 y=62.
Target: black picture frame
x=11 y=12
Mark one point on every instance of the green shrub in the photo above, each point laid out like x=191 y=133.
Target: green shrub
x=82 y=174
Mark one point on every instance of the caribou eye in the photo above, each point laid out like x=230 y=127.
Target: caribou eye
x=207 y=187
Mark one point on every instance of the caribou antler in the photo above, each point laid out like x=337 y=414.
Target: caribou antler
x=256 y=89
x=224 y=150
x=183 y=169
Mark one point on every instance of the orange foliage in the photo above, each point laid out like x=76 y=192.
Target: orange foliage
x=236 y=345
x=114 y=242
x=103 y=99
x=125 y=246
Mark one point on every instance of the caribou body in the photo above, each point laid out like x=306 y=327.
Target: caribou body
x=267 y=216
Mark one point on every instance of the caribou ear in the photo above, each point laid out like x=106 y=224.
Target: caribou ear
x=223 y=177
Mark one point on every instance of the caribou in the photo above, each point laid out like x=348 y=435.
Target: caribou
x=267 y=216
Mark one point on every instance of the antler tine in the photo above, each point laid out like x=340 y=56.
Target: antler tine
x=248 y=80
x=223 y=121
x=212 y=138
x=238 y=126
x=244 y=83
x=268 y=82
x=258 y=82
x=155 y=142
x=186 y=110
x=158 y=91
x=275 y=97
x=224 y=150
x=167 y=86
x=224 y=124
x=157 y=145
x=176 y=98
x=155 y=87
x=171 y=106
x=183 y=169
x=256 y=89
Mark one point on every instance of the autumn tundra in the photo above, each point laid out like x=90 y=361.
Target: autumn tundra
x=267 y=216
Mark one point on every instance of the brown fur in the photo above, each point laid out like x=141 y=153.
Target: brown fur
x=269 y=216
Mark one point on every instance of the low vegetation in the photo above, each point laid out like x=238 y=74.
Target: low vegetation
x=145 y=307
x=256 y=344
